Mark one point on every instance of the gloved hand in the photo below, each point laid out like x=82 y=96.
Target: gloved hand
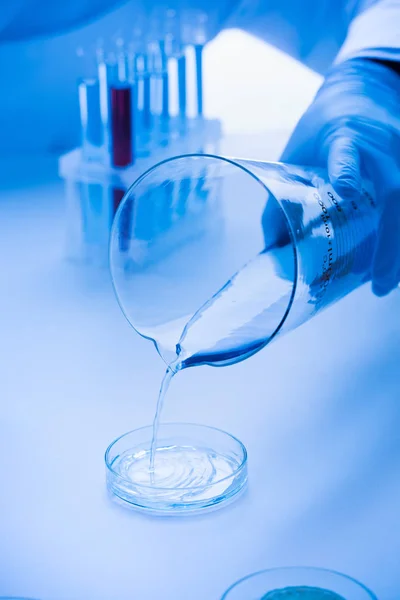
x=352 y=129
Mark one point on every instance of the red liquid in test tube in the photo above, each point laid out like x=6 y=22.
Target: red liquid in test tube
x=121 y=126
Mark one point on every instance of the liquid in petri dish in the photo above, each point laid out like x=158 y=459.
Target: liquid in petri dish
x=170 y=372
x=181 y=473
x=301 y=593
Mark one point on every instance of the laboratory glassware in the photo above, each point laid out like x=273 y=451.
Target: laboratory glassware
x=122 y=120
x=199 y=468
x=89 y=107
x=298 y=583
x=121 y=106
x=267 y=247
x=91 y=123
x=195 y=33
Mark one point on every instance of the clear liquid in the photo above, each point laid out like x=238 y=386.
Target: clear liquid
x=243 y=315
x=302 y=593
x=183 y=474
x=170 y=372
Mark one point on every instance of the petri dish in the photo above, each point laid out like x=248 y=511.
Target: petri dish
x=298 y=583
x=196 y=468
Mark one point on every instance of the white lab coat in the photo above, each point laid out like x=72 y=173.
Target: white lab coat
x=38 y=103
x=318 y=32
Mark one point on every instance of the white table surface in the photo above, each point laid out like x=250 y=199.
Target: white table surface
x=319 y=412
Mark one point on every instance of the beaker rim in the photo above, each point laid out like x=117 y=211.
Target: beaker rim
x=240 y=164
x=303 y=570
x=242 y=464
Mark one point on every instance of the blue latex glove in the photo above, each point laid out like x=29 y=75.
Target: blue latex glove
x=352 y=129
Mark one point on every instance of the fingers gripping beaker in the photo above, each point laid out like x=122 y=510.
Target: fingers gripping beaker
x=212 y=258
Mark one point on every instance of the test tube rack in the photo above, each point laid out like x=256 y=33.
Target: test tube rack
x=94 y=190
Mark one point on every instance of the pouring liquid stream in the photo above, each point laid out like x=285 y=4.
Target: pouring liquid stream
x=165 y=383
x=184 y=471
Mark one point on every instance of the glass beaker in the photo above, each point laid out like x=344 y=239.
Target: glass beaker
x=212 y=258
x=298 y=583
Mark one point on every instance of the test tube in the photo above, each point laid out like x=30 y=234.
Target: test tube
x=107 y=74
x=165 y=83
x=122 y=60
x=196 y=34
x=89 y=106
x=160 y=108
x=155 y=71
x=138 y=66
x=182 y=85
x=141 y=133
x=147 y=120
x=198 y=48
x=91 y=122
x=121 y=125
x=122 y=112
x=175 y=72
x=165 y=97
